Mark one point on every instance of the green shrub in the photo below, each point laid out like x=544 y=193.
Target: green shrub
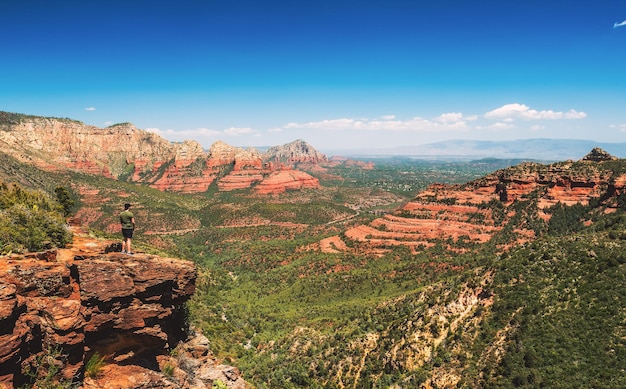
x=44 y=372
x=31 y=229
x=218 y=384
x=30 y=220
x=94 y=365
x=168 y=369
x=65 y=198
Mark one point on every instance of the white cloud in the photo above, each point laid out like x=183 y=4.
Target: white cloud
x=236 y=131
x=204 y=136
x=155 y=130
x=499 y=126
x=90 y=109
x=390 y=130
x=450 y=121
x=449 y=117
x=615 y=25
x=444 y=122
x=184 y=134
x=522 y=111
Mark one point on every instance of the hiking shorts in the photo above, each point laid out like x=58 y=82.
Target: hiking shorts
x=127 y=233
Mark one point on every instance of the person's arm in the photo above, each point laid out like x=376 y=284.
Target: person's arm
x=132 y=220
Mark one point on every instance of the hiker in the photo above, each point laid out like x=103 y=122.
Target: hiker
x=127 y=219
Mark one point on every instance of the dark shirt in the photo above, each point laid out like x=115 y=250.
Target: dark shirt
x=126 y=219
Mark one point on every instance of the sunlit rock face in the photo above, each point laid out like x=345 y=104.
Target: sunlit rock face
x=124 y=307
x=295 y=152
x=473 y=213
x=64 y=305
x=124 y=152
x=283 y=180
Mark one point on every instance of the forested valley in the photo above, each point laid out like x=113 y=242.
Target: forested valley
x=547 y=312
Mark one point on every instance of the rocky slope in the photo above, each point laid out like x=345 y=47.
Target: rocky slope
x=59 y=308
x=514 y=201
x=126 y=153
x=295 y=152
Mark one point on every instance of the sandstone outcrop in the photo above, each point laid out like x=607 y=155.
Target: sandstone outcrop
x=473 y=213
x=59 y=308
x=124 y=152
x=282 y=180
x=598 y=155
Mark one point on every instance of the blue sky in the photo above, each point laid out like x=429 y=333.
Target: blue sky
x=339 y=74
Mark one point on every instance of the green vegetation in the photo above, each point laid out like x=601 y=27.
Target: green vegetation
x=168 y=370
x=31 y=220
x=94 y=365
x=45 y=370
x=406 y=176
x=66 y=199
x=9 y=119
x=120 y=124
x=305 y=319
x=218 y=384
x=550 y=313
x=563 y=301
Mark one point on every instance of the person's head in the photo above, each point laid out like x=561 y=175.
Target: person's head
x=126 y=206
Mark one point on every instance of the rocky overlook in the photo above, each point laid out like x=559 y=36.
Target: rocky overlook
x=126 y=153
x=59 y=308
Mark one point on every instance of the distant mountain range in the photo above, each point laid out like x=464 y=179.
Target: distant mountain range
x=126 y=153
x=537 y=149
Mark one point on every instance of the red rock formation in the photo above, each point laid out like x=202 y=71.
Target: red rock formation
x=241 y=179
x=283 y=180
x=66 y=305
x=126 y=153
x=464 y=214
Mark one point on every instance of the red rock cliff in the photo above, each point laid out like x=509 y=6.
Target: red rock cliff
x=59 y=308
x=125 y=152
x=473 y=213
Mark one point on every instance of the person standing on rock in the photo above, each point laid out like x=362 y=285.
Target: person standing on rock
x=127 y=220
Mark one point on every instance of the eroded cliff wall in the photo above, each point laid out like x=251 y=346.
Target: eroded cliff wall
x=124 y=152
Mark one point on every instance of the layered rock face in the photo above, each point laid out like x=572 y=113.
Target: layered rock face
x=62 y=143
x=124 y=152
x=57 y=309
x=473 y=213
x=283 y=180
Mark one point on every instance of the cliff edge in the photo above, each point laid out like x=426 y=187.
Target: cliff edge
x=61 y=310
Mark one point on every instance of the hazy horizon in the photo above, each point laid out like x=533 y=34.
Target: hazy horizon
x=340 y=74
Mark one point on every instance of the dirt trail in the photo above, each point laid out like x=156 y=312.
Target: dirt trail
x=82 y=243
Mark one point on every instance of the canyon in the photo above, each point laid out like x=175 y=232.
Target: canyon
x=63 y=307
